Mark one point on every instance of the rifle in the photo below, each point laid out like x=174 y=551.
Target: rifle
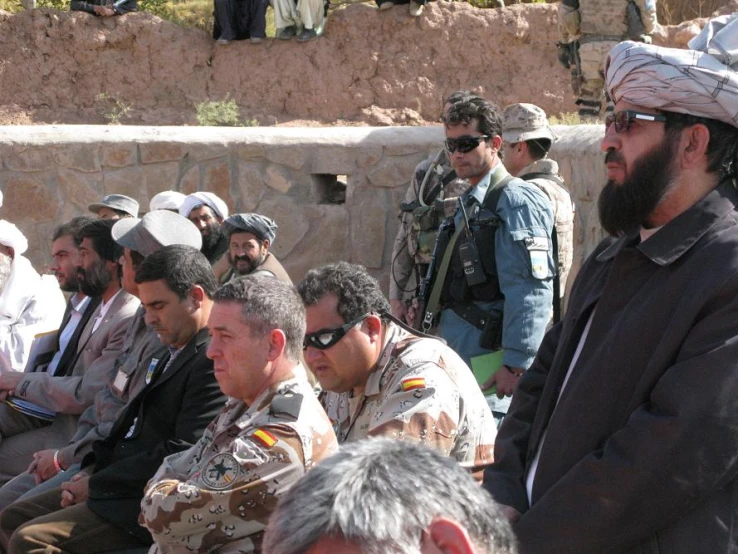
x=576 y=72
x=424 y=321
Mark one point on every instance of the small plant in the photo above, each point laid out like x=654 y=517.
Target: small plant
x=221 y=113
x=113 y=108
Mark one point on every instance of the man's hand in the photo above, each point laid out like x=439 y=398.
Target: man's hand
x=510 y=513
x=562 y=53
x=43 y=466
x=399 y=309
x=104 y=11
x=76 y=490
x=505 y=380
x=9 y=380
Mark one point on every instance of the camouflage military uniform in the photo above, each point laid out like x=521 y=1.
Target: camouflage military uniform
x=599 y=25
x=563 y=208
x=417 y=231
x=219 y=494
x=421 y=391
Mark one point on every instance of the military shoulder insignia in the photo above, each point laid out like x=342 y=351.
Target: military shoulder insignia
x=413 y=383
x=150 y=371
x=286 y=405
x=264 y=438
x=221 y=471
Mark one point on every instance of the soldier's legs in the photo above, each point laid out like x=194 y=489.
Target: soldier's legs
x=39 y=526
x=592 y=56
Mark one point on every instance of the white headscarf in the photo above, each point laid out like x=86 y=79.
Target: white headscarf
x=11 y=236
x=207 y=198
x=702 y=81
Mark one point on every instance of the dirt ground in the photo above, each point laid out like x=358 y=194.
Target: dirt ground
x=370 y=68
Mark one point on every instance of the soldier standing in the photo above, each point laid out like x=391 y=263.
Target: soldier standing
x=588 y=29
x=431 y=198
x=527 y=139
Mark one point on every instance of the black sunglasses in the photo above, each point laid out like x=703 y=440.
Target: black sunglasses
x=325 y=338
x=464 y=144
x=622 y=120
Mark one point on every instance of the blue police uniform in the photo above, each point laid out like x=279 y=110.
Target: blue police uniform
x=525 y=270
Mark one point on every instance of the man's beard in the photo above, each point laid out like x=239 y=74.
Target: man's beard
x=251 y=265
x=94 y=280
x=70 y=283
x=210 y=240
x=624 y=208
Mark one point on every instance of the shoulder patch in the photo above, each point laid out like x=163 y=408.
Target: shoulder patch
x=221 y=471
x=264 y=437
x=413 y=383
x=286 y=405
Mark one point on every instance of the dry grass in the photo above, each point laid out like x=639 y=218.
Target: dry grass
x=672 y=12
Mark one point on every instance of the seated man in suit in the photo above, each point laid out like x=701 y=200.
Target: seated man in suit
x=29 y=303
x=98 y=510
x=126 y=378
x=99 y=345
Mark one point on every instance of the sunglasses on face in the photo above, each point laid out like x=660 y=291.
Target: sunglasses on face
x=325 y=338
x=622 y=120
x=464 y=144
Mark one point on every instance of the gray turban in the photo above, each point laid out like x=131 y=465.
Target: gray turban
x=702 y=81
x=260 y=226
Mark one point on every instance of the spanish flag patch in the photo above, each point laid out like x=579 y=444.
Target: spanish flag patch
x=264 y=437
x=413 y=383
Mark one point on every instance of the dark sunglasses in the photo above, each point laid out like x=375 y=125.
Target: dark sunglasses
x=464 y=144
x=622 y=120
x=325 y=338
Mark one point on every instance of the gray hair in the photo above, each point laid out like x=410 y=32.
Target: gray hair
x=381 y=495
x=268 y=303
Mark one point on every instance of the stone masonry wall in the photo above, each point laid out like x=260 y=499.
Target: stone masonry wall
x=48 y=174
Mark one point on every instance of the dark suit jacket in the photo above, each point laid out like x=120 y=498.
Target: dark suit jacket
x=641 y=451
x=71 y=350
x=171 y=413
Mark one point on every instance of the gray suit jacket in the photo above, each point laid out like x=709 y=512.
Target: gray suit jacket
x=71 y=394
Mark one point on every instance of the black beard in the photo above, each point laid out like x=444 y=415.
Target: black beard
x=94 y=281
x=210 y=242
x=252 y=264
x=624 y=208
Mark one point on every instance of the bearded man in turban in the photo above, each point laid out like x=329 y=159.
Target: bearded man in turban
x=622 y=437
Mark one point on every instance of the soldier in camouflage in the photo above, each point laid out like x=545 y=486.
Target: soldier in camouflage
x=588 y=29
x=382 y=379
x=420 y=217
x=219 y=494
x=527 y=139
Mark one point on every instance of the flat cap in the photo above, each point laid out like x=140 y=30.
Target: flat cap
x=116 y=202
x=260 y=226
x=156 y=230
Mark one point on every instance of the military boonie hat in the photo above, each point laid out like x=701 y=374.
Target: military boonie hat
x=521 y=122
x=154 y=231
x=119 y=202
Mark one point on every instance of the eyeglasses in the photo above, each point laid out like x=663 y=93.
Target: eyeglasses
x=464 y=144
x=622 y=120
x=323 y=339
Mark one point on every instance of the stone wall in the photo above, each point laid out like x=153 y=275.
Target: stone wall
x=49 y=174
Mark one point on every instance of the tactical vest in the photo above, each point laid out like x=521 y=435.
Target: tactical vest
x=483 y=224
x=604 y=17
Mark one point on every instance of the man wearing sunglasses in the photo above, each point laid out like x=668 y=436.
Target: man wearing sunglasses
x=621 y=437
x=493 y=279
x=381 y=378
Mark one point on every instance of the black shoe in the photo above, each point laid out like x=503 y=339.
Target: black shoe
x=306 y=35
x=287 y=33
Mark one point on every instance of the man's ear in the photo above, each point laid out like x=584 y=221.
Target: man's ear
x=693 y=146
x=449 y=537
x=373 y=325
x=266 y=244
x=496 y=143
x=277 y=342
x=197 y=293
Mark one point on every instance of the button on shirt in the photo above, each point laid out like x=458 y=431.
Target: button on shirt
x=79 y=305
x=104 y=308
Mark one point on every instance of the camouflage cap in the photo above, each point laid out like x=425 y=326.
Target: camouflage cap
x=522 y=122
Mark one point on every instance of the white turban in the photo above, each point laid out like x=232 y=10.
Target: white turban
x=207 y=198
x=701 y=82
x=11 y=237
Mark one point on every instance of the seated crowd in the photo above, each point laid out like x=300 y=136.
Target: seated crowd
x=189 y=398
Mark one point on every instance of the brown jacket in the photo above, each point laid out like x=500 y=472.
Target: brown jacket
x=641 y=452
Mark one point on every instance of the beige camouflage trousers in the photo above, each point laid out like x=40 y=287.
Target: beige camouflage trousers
x=592 y=56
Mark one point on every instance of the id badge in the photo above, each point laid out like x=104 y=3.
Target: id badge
x=120 y=382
